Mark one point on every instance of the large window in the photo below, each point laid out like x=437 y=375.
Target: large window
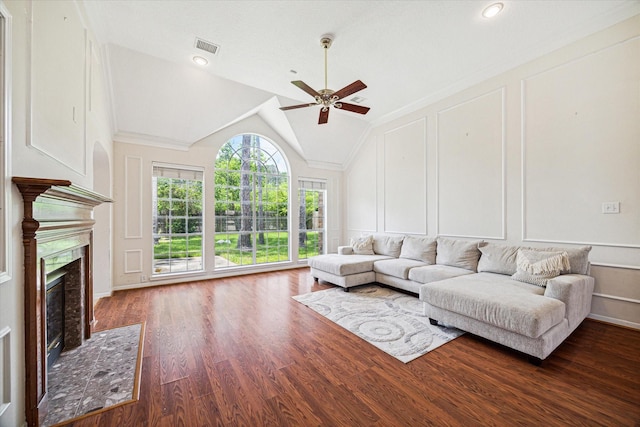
x=311 y=229
x=251 y=203
x=177 y=219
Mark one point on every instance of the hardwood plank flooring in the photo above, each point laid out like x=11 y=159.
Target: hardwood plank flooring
x=241 y=352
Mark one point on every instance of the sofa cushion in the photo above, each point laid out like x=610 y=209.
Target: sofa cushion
x=387 y=245
x=397 y=267
x=458 y=253
x=501 y=259
x=345 y=250
x=362 y=245
x=432 y=273
x=497 y=300
x=419 y=249
x=537 y=267
x=343 y=265
x=578 y=259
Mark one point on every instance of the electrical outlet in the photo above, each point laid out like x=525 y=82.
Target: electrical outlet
x=610 y=207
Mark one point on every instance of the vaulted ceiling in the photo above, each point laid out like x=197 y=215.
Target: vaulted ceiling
x=409 y=53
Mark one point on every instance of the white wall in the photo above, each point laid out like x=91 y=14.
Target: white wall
x=133 y=242
x=527 y=157
x=59 y=111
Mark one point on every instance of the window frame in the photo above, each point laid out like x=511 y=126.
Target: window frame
x=198 y=174
x=281 y=173
x=319 y=186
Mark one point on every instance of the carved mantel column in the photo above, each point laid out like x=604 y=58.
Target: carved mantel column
x=54 y=211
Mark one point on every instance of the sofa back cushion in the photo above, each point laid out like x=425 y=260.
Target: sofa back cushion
x=458 y=253
x=419 y=248
x=387 y=245
x=362 y=245
x=501 y=259
x=578 y=259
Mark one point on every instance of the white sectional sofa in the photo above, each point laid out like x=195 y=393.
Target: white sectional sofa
x=525 y=298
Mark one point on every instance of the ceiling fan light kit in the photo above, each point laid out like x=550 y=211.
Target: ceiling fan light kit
x=326 y=97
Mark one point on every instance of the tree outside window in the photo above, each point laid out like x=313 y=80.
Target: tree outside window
x=251 y=203
x=177 y=219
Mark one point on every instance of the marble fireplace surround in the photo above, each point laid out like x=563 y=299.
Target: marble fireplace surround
x=57 y=230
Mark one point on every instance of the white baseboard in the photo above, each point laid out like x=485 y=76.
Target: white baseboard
x=613 y=320
x=96 y=297
x=184 y=279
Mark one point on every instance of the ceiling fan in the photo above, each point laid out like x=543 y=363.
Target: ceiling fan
x=327 y=97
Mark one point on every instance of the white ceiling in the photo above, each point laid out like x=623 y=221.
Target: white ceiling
x=409 y=53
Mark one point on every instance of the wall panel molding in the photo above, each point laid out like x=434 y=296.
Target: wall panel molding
x=5 y=144
x=335 y=192
x=627 y=267
x=570 y=242
x=133 y=261
x=362 y=207
x=595 y=94
x=475 y=123
x=133 y=197
x=5 y=369
x=617 y=298
x=406 y=179
x=335 y=242
x=72 y=117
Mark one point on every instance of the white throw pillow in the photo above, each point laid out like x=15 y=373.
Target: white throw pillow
x=538 y=267
x=362 y=245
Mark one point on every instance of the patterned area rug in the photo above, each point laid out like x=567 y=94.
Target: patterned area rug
x=390 y=320
x=103 y=372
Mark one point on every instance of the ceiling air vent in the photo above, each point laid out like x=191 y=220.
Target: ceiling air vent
x=207 y=46
x=357 y=99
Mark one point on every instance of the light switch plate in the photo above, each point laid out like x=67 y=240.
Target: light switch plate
x=610 y=207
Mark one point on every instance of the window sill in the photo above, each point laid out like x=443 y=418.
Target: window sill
x=164 y=276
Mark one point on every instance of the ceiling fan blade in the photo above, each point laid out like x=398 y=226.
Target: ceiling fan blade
x=324 y=116
x=348 y=90
x=305 y=87
x=293 y=107
x=354 y=108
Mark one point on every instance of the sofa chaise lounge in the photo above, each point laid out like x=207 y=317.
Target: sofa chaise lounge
x=525 y=298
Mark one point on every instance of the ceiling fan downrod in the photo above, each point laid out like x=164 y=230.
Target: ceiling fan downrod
x=326 y=98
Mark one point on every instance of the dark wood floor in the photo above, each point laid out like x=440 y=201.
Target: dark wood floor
x=240 y=352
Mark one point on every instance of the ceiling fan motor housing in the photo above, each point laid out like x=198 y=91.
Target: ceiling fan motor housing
x=326 y=40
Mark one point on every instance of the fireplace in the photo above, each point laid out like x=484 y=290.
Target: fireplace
x=55 y=318
x=57 y=235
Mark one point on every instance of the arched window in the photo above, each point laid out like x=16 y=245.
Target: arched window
x=252 y=203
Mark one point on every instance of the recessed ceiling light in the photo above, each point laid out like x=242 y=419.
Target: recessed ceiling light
x=492 y=10
x=200 y=60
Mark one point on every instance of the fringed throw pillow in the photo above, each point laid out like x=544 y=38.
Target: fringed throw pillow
x=362 y=245
x=537 y=267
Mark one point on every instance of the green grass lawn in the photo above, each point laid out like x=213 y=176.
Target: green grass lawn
x=275 y=248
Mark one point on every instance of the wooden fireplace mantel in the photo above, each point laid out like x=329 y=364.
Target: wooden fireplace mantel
x=58 y=215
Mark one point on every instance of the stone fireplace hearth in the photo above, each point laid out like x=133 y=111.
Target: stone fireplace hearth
x=57 y=235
